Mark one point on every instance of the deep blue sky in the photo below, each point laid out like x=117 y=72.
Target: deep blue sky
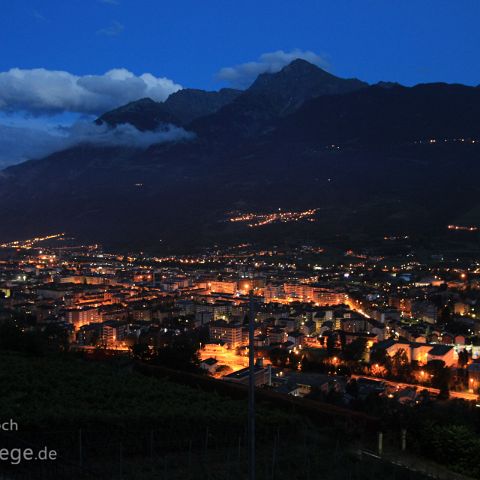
x=409 y=41
x=56 y=56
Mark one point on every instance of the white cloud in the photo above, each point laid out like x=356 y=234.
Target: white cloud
x=124 y=134
x=38 y=16
x=114 y=29
x=244 y=74
x=41 y=91
x=18 y=144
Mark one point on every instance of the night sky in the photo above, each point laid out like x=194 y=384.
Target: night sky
x=213 y=43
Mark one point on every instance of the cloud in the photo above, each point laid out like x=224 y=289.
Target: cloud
x=244 y=74
x=18 y=144
x=38 y=16
x=39 y=91
x=124 y=134
x=115 y=28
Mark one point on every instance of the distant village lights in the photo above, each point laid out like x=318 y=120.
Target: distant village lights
x=463 y=228
x=259 y=220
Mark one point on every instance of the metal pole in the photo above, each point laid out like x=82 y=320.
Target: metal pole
x=80 y=452
x=404 y=439
x=380 y=443
x=251 y=391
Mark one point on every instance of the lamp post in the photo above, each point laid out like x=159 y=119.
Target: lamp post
x=251 y=390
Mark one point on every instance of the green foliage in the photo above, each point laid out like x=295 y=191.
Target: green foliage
x=11 y=336
x=378 y=355
x=446 y=315
x=181 y=354
x=279 y=357
x=463 y=358
x=50 y=392
x=441 y=376
x=331 y=343
x=141 y=351
x=62 y=394
x=455 y=445
x=36 y=342
x=399 y=367
x=355 y=350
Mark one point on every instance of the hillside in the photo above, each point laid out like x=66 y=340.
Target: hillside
x=375 y=160
x=106 y=422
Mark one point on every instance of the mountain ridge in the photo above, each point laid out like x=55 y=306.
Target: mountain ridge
x=362 y=157
x=180 y=108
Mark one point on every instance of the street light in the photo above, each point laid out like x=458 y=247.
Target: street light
x=251 y=390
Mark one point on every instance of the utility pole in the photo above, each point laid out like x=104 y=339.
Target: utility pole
x=251 y=390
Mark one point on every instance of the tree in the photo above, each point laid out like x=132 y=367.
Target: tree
x=141 y=351
x=355 y=350
x=11 y=336
x=279 y=357
x=352 y=388
x=56 y=337
x=313 y=365
x=378 y=355
x=445 y=316
x=331 y=344
x=180 y=354
x=399 y=365
x=463 y=358
x=441 y=376
x=34 y=343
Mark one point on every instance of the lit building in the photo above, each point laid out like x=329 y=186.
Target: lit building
x=324 y=297
x=113 y=331
x=229 y=287
x=298 y=291
x=273 y=292
x=263 y=376
x=82 y=316
x=229 y=333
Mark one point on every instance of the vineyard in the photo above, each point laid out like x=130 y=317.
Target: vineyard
x=106 y=421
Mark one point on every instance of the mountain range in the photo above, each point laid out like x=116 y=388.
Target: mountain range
x=375 y=160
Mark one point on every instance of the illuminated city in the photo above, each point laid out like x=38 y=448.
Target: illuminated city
x=239 y=240
x=116 y=302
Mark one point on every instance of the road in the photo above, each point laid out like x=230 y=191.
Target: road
x=472 y=397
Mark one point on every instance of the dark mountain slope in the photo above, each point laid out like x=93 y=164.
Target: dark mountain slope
x=177 y=196
x=180 y=108
x=376 y=115
x=230 y=114
x=300 y=81
x=144 y=114
x=189 y=104
x=270 y=97
x=178 y=201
